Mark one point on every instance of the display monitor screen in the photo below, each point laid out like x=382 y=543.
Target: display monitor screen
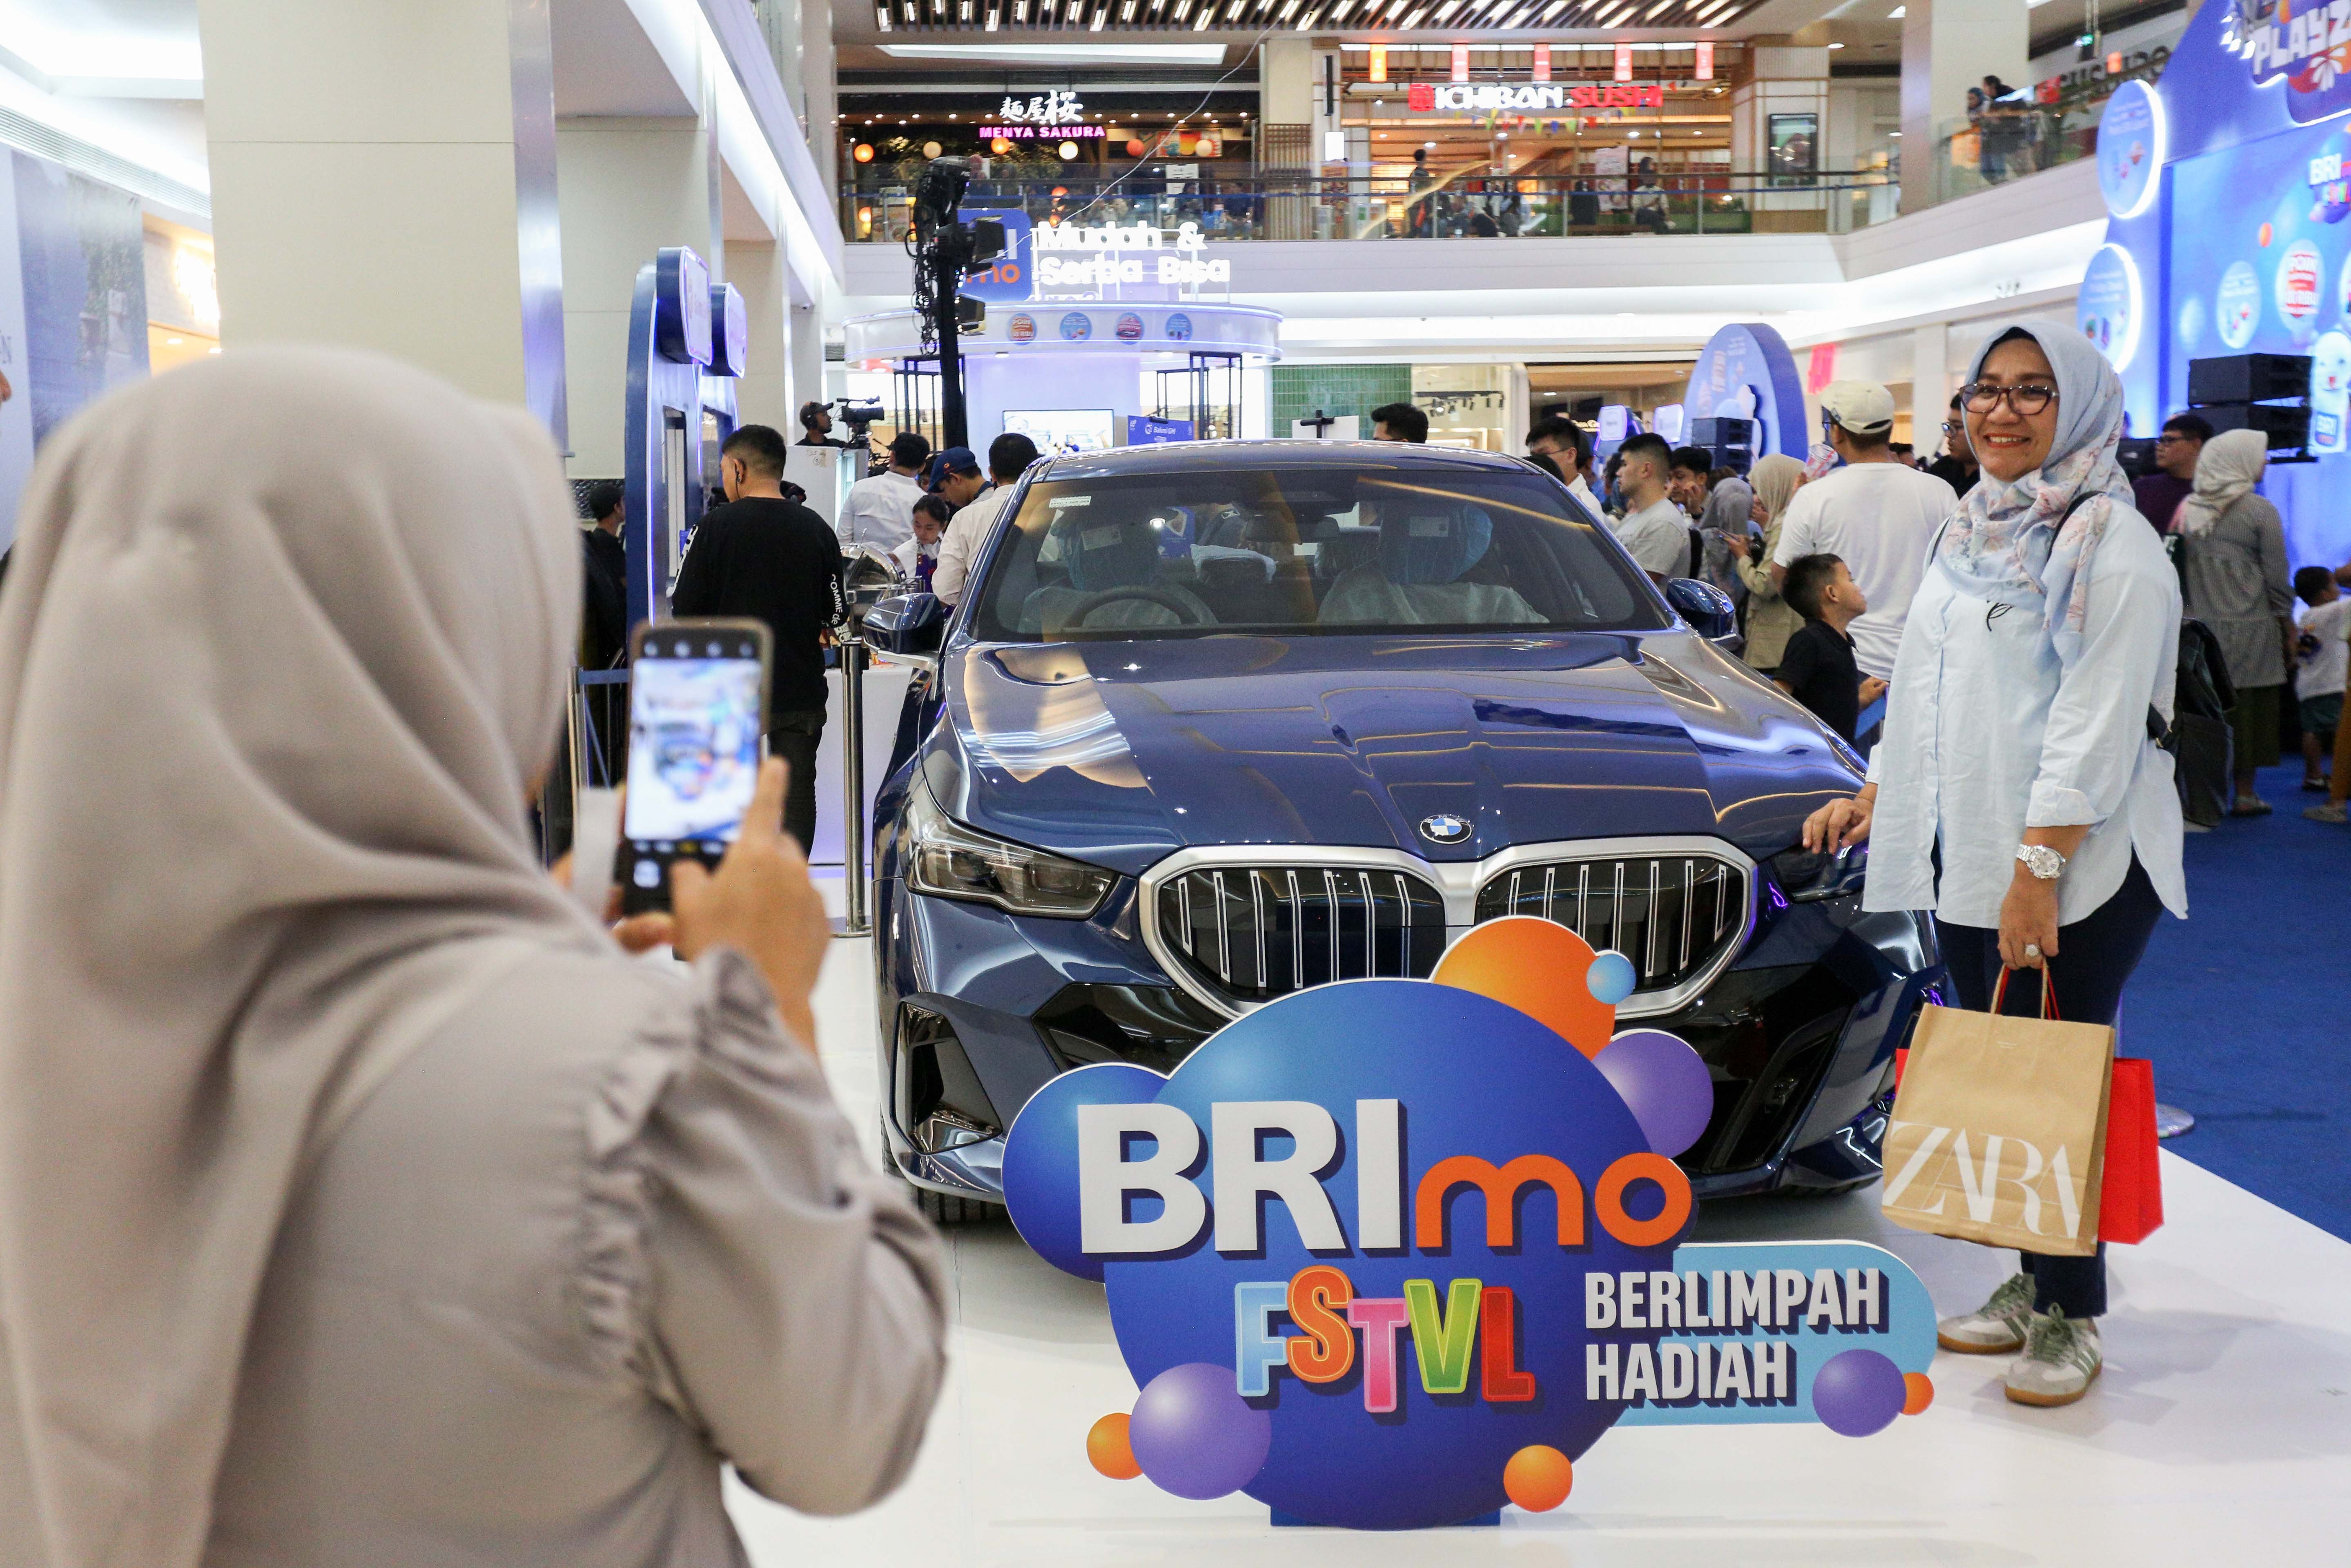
x=1064 y=430
x=693 y=746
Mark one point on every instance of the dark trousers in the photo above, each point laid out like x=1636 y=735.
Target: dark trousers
x=793 y=736
x=2095 y=958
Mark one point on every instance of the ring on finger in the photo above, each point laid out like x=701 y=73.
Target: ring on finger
x=2032 y=950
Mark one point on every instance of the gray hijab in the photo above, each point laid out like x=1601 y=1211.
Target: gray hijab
x=282 y=646
x=2025 y=542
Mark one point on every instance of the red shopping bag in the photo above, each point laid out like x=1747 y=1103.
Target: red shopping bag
x=2130 y=1205
x=2130 y=1201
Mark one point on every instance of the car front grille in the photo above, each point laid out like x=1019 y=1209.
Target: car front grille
x=1250 y=934
x=1672 y=915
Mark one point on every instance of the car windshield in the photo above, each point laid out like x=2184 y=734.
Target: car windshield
x=1305 y=551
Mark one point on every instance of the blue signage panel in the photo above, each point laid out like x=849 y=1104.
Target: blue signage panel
x=1013 y=277
x=1145 y=432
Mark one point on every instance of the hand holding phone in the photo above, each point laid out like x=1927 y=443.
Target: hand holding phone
x=762 y=904
x=697 y=715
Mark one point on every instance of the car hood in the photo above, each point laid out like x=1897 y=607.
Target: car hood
x=1119 y=752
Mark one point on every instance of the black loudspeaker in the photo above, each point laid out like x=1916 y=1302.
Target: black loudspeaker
x=1732 y=441
x=2247 y=378
x=2287 y=425
x=2136 y=456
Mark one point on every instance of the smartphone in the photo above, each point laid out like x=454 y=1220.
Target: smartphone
x=697 y=732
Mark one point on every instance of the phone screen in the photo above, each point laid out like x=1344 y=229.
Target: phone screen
x=697 y=709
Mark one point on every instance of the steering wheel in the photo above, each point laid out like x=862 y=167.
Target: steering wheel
x=1186 y=612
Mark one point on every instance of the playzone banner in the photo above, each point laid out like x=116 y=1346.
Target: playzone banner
x=1389 y=1254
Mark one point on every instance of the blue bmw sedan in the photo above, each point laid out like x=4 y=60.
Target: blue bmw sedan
x=1219 y=721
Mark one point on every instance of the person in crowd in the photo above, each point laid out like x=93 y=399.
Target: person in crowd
x=2234 y=568
x=762 y=557
x=1421 y=200
x=1957 y=465
x=880 y=511
x=1903 y=453
x=605 y=578
x=1816 y=666
x=2323 y=657
x=2178 y=449
x=1565 y=441
x=1729 y=515
x=1400 y=422
x=2017 y=792
x=959 y=480
x=918 y=557
x=395 y=1214
x=1009 y=457
x=1874 y=514
x=816 y=426
x=1653 y=531
x=604 y=628
x=1771 y=618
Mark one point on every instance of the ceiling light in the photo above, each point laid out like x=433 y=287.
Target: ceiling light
x=1836 y=45
x=1064 y=53
x=1897 y=12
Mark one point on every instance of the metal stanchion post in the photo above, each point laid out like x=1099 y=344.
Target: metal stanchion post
x=857 y=903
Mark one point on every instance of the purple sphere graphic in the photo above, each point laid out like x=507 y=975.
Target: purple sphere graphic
x=1196 y=1436
x=1666 y=1085
x=1858 y=1392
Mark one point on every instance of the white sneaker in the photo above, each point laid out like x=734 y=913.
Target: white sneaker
x=2061 y=1360
x=1995 y=1327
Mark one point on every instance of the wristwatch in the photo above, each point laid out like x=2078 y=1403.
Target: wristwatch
x=2041 y=860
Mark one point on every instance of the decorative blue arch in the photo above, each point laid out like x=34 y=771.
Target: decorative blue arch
x=1745 y=372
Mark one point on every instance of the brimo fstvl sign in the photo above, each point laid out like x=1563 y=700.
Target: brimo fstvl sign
x=1388 y=1254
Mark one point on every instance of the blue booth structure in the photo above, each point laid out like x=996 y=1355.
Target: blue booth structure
x=687 y=337
x=2227 y=190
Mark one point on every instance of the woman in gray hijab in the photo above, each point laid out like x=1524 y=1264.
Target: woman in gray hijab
x=361 y=1202
x=2018 y=792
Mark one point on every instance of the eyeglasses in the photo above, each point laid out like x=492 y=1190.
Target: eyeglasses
x=2173 y=438
x=2032 y=398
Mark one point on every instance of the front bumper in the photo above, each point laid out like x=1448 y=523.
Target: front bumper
x=980 y=1009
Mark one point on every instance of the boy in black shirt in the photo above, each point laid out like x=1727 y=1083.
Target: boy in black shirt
x=762 y=557
x=1817 y=669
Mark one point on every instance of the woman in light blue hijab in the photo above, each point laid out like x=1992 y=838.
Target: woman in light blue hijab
x=2019 y=793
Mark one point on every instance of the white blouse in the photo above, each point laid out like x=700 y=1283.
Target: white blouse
x=1989 y=733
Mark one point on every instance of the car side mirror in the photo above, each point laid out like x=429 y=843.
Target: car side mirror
x=1707 y=608
x=906 y=625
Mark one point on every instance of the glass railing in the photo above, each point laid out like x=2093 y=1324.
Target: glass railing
x=1274 y=205
x=2011 y=141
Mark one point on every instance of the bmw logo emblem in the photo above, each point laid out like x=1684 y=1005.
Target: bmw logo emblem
x=1445 y=828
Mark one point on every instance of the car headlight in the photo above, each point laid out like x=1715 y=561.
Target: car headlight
x=1807 y=876
x=947 y=860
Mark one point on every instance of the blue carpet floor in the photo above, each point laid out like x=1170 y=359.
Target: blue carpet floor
x=2241 y=1006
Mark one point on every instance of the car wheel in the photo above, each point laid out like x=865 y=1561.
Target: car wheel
x=946 y=1209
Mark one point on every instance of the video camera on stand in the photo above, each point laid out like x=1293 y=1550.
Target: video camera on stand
x=946 y=250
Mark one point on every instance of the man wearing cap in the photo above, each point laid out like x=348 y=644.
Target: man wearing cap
x=815 y=426
x=1876 y=514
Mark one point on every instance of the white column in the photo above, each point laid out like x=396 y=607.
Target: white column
x=803 y=347
x=1930 y=383
x=1786 y=80
x=1949 y=47
x=630 y=187
x=763 y=395
x=383 y=176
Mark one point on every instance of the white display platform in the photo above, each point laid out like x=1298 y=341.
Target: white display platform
x=885 y=691
x=2218 y=1433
